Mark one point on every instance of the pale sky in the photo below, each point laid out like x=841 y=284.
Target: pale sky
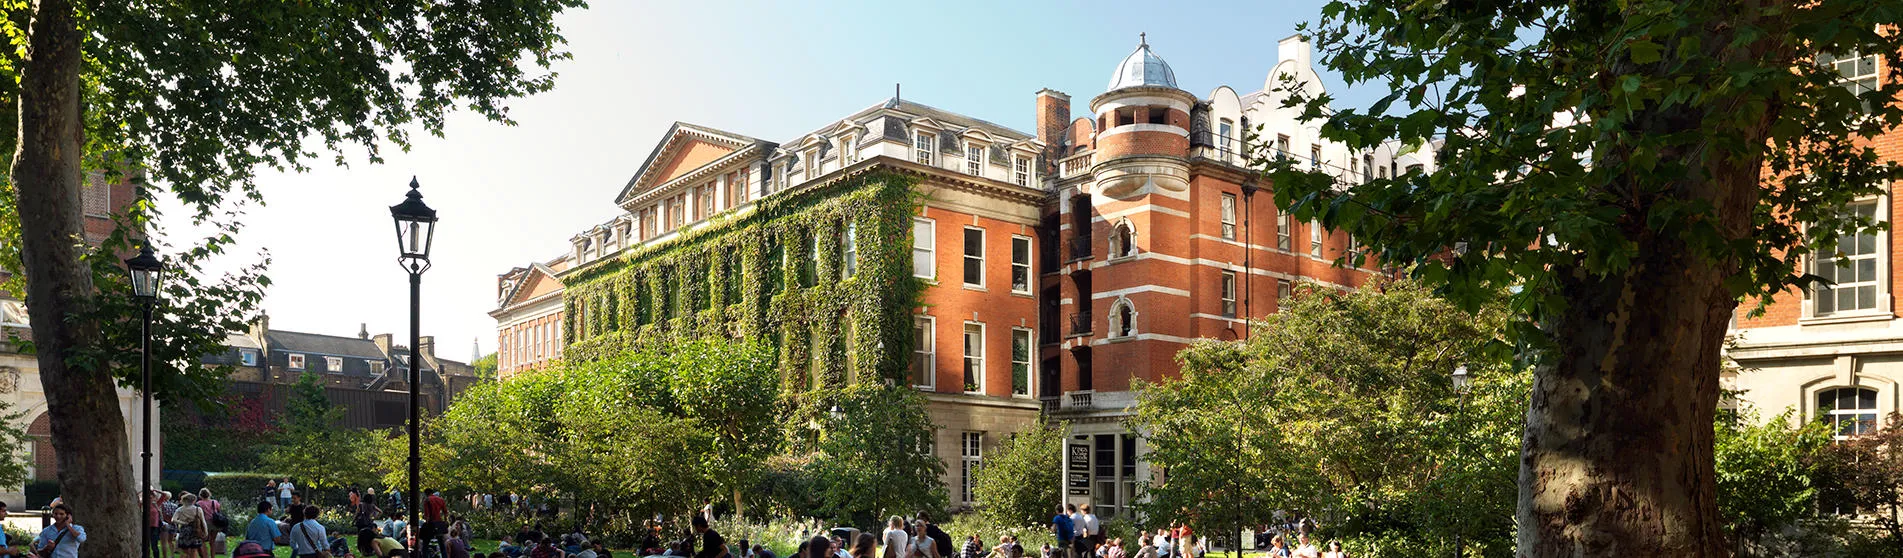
x=772 y=70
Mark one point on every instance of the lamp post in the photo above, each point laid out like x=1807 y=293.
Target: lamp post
x=1463 y=382
x=146 y=270
x=415 y=228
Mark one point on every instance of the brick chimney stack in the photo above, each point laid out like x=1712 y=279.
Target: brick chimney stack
x=426 y=346
x=1053 y=117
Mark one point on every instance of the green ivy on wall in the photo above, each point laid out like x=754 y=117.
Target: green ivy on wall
x=772 y=274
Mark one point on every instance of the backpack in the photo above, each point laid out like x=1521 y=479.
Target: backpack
x=250 y=549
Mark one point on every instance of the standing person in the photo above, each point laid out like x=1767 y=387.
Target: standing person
x=865 y=546
x=6 y=545
x=285 y=489
x=488 y=501
x=308 y=537
x=62 y=538
x=434 y=511
x=922 y=545
x=168 y=506
x=712 y=545
x=1093 y=529
x=264 y=530
x=214 y=521
x=817 y=547
x=1163 y=547
x=1065 y=530
x=363 y=512
x=898 y=543
x=154 y=522
x=941 y=541
x=1081 y=541
x=193 y=528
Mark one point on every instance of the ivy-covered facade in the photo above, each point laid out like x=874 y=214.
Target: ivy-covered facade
x=894 y=246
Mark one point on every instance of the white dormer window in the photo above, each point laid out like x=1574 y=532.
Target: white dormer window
x=296 y=361
x=334 y=364
x=1021 y=171
x=376 y=367
x=974 y=159
x=812 y=164
x=845 y=152
x=925 y=144
x=248 y=357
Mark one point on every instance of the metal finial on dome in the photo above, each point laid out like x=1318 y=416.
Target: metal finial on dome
x=1143 y=39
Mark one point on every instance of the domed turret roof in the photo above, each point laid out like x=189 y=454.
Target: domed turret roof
x=1142 y=68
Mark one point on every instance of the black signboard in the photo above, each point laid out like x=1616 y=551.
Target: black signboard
x=1080 y=458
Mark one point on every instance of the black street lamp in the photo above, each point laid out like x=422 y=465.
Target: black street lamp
x=415 y=228
x=1463 y=382
x=146 y=271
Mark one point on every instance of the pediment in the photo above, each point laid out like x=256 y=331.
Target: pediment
x=540 y=280
x=684 y=149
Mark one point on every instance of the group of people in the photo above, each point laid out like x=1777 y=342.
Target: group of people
x=1080 y=535
x=59 y=540
x=185 y=524
x=534 y=543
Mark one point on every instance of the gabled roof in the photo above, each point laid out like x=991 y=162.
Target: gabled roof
x=678 y=137
x=521 y=291
x=297 y=342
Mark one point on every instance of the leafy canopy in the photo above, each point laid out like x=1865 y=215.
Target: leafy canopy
x=1571 y=138
x=1342 y=407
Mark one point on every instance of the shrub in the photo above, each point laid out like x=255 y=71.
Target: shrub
x=39 y=493
x=967 y=524
x=232 y=488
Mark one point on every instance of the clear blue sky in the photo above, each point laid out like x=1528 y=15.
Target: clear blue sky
x=772 y=70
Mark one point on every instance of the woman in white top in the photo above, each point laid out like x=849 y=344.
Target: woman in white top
x=897 y=543
x=922 y=545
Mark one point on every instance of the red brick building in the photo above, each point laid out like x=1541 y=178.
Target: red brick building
x=1836 y=350
x=1061 y=266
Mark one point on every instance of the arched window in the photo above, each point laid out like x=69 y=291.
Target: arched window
x=1123 y=240
x=1123 y=319
x=1851 y=411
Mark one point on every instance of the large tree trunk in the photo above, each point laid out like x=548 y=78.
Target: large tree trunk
x=1617 y=454
x=95 y=468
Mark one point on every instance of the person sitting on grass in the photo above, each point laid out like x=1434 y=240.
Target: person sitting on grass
x=546 y=549
x=371 y=544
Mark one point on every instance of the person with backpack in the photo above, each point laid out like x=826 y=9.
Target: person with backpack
x=216 y=519
x=62 y=538
x=194 y=529
x=308 y=538
x=1065 y=530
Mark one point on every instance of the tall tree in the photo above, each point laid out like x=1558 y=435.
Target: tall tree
x=1019 y=480
x=1633 y=170
x=196 y=96
x=720 y=385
